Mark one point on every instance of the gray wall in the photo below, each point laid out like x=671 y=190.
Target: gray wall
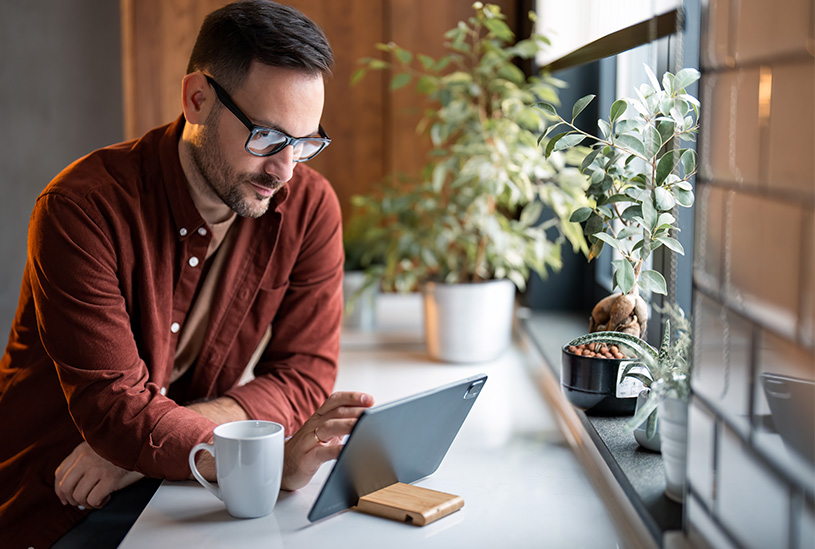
x=60 y=98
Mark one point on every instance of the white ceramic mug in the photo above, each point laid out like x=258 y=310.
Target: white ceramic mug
x=248 y=464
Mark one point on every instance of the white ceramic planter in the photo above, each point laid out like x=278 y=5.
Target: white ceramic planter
x=673 y=432
x=361 y=315
x=468 y=322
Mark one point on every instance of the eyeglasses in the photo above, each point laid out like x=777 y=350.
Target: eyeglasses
x=267 y=141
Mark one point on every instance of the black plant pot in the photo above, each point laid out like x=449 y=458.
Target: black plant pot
x=592 y=384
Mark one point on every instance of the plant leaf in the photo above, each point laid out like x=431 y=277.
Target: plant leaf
x=605 y=128
x=652 y=141
x=649 y=72
x=426 y=85
x=580 y=215
x=645 y=380
x=623 y=275
x=427 y=61
x=688 y=161
x=639 y=347
x=550 y=146
x=665 y=166
x=627 y=231
x=671 y=243
x=549 y=130
x=611 y=241
x=400 y=81
x=631 y=143
x=581 y=104
x=665 y=127
x=653 y=281
x=683 y=197
x=649 y=213
x=358 y=75
x=589 y=159
x=569 y=141
x=685 y=78
x=668 y=83
x=632 y=212
x=617 y=110
x=665 y=201
x=547 y=108
x=403 y=56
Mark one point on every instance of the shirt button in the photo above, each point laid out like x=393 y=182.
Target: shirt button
x=202 y=231
x=174 y=327
x=193 y=261
x=182 y=231
x=163 y=391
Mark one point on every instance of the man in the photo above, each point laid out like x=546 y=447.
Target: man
x=161 y=271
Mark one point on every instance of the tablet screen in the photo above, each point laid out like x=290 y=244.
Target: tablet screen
x=402 y=441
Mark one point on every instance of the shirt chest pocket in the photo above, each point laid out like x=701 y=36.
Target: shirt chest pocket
x=266 y=305
x=256 y=324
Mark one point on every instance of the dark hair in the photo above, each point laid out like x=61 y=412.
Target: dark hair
x=258 y=30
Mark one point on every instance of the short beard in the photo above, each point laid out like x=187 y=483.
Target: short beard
x=221 y=180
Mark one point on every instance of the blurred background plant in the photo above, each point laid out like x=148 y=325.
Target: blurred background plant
x=474 y=211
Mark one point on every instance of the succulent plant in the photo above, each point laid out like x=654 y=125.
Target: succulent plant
x=668 y=368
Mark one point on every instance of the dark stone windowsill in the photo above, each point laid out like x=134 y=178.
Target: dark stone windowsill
x=638 y=471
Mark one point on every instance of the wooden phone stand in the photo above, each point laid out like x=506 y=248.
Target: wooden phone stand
x=411 y=504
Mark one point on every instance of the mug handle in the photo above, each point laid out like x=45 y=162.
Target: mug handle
x=216 y=491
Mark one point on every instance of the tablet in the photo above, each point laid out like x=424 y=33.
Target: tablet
x=402 y=441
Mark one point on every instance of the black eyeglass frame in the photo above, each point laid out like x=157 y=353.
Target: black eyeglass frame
x=254 y=129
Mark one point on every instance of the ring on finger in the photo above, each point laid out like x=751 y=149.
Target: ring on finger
x=320 y=441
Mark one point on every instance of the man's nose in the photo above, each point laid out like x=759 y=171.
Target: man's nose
x=281 y=165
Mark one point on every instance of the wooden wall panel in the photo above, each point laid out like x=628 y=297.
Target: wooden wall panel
x=419 y=26
x=373 y=131
x=354 y=117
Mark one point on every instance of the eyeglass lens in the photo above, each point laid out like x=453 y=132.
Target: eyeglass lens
x=266 y=142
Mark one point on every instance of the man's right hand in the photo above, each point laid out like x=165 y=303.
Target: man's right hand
x=320 y=438
x=87 y=479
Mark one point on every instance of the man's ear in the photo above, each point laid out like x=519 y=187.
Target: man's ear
x=197 y=97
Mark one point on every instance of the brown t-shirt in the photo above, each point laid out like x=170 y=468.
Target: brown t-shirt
x=114 y=263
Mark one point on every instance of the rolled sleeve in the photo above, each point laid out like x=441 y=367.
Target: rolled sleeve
x=85 y=327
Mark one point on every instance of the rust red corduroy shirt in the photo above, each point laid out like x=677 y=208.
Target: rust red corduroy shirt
x=109 y=273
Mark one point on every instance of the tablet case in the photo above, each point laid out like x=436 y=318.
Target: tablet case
x=399 y=442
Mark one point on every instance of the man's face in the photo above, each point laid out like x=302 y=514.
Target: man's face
x=278 y=98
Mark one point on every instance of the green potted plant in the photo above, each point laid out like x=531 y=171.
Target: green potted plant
x=667 y=376
x=466 y=230
x=638 y=176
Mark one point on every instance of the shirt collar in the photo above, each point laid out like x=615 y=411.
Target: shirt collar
x=185 y=214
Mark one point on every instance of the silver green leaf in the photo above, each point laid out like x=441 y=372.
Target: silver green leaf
x=631 y=143
x=581 y=104
x=653 y=281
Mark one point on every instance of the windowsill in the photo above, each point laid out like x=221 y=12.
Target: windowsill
x=638 y=472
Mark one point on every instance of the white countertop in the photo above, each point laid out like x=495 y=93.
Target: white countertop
x=521 y=484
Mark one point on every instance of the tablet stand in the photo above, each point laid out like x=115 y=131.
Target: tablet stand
x=409 y=503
